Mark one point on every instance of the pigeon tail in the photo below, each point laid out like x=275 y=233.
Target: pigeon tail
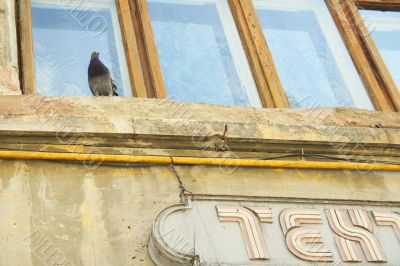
x=114 y=88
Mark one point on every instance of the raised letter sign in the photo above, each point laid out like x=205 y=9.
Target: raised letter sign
x=388 y=218
x=358 y=229
x=304 y=243
x=249 y=222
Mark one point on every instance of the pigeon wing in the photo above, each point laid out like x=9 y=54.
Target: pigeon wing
x=91 y=87
x=114 y=87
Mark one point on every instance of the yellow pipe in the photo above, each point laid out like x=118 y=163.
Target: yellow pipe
x=29 y=155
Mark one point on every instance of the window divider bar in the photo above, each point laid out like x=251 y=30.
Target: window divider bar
x=380 y=66
x=260 y=58
x=26 y=47
x=341 y=11
x=379 y=3
x=131 y=50
x=148 y=52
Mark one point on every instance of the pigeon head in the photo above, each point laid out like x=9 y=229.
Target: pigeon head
x=95 y=55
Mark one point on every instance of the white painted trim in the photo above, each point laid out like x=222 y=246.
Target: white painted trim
x=76 y=3
x=123 y=65
x=191 y=2
x=382 y=21
x=238 y=54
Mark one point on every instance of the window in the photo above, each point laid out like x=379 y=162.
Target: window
x=65 y=35
x=313 y=63
x=201 y=54
x=368 y=60
x=384 y=27
x=260 y=53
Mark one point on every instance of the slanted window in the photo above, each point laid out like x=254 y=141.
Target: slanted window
x=65 y=35
x=384 y=27
x=368 y=60
x=201 y=54
x=312 y=61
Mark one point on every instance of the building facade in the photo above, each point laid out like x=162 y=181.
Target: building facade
x=249 y=133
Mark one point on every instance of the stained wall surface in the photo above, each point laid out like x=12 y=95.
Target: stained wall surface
x=9 y=80
x=84 y=214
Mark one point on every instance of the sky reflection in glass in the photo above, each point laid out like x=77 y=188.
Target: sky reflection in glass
x=64 y=38
x=312 y=61
x=197 y=60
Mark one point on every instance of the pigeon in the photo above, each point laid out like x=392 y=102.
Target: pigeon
x=100 y=80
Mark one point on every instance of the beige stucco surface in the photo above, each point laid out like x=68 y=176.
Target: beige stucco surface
x=103 y=215
x=92 y=217
x=294 y=183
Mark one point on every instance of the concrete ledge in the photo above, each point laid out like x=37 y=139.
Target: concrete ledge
x=126 y=117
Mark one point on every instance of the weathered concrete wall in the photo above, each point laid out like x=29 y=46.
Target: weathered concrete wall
x=55 y=212
x=9 y=80
x=70 y=212
x=294 y=183
x=103 y=216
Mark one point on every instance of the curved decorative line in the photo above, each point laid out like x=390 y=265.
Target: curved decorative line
x=264 y=213
x=349 y=233
x=250 y=226
x=354 y=234
x=389 y=219
x=312 y=238
x=160 y=252
x=295 y=239
x=291 y=218
x=366 y=220
x=298 y=239
x=247 y=227
x=367 y=240
x=370 y=241
x=301 y=238
x=360 y=218
x=347 y=249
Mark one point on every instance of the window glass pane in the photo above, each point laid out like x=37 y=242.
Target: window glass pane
x=201 y=53
x=64 y=37
x=313 y=63
x=384 y=27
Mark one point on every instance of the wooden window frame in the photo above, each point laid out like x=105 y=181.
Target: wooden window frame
x=391 y=86
x=28 y=83
x=260 y=59
x=261 y=64
x=265 y=74
x=147 y=49
x=366 y=56
x=389 y=4
x=142 y=54
x=27 y=64
x=145 y=68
